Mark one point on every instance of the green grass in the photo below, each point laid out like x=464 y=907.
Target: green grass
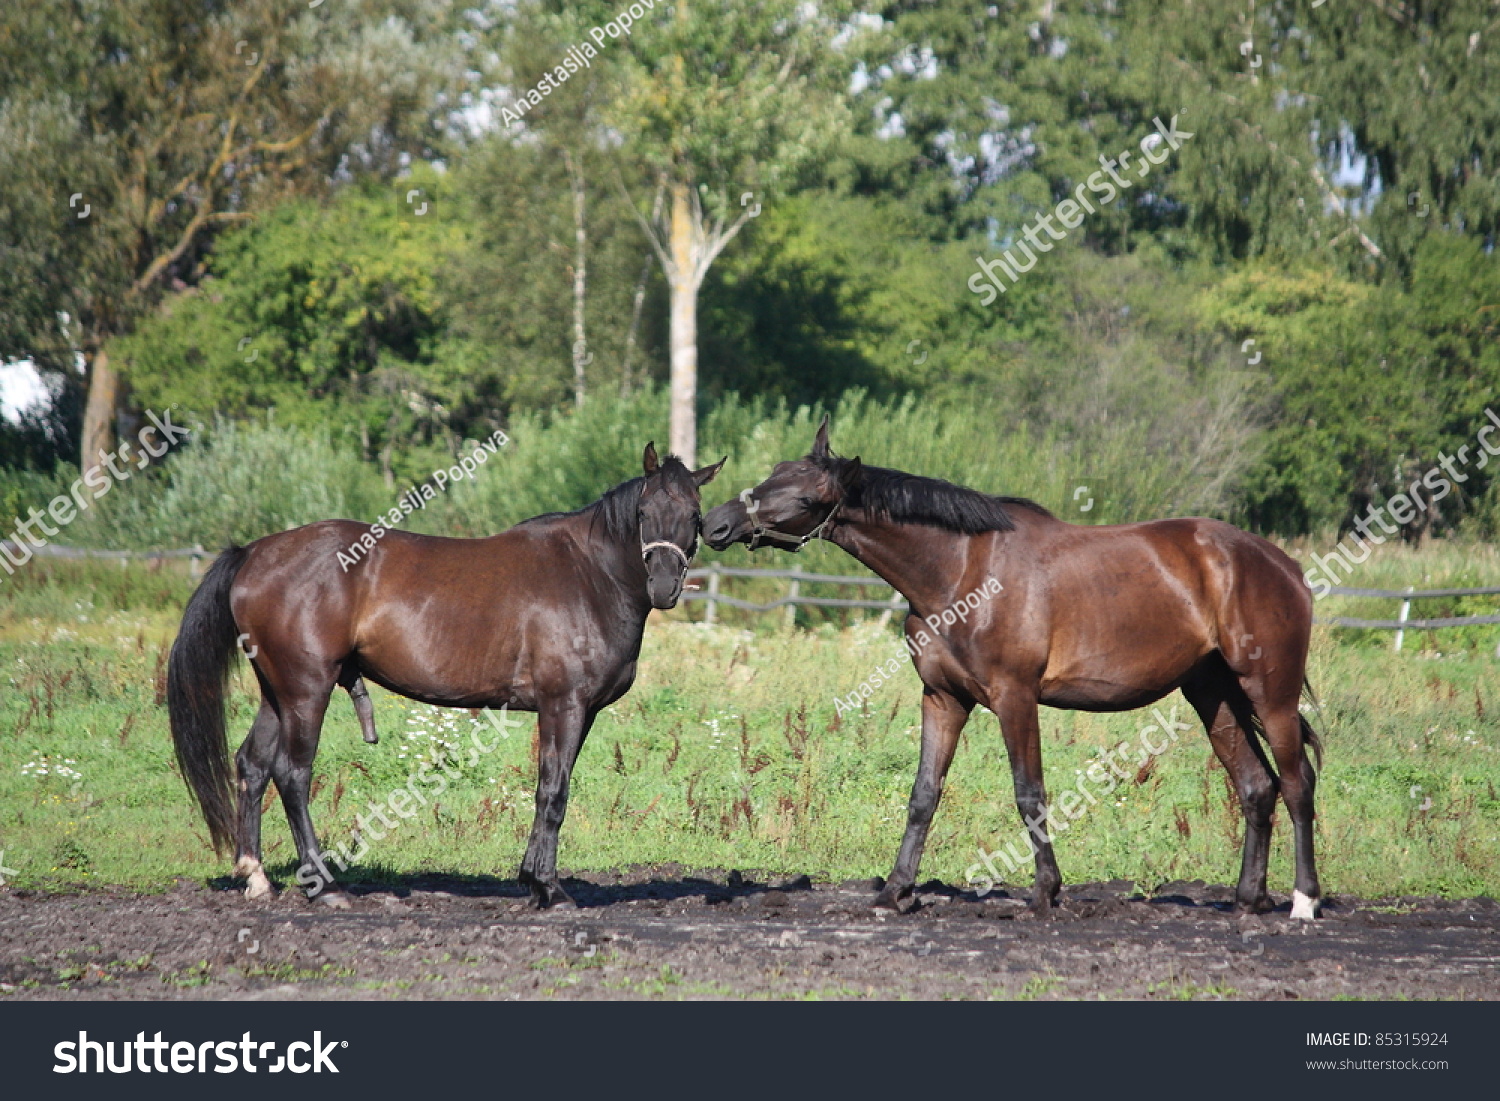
x=728 y=753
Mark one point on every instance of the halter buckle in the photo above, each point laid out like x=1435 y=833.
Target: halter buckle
x=761 y=533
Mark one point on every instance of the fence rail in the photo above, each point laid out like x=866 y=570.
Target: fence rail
x=796 y=578
x=1403 y=621
x=52 y=550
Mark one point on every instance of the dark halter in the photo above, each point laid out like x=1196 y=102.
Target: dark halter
x=760 y=533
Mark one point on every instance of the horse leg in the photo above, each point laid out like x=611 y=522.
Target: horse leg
x=354 y=684
x=943 y=717
x=1226 y=716
x=253 y=762
x=562 y=726
x=1023 y=744
x=1284 y=731
x=303 y=724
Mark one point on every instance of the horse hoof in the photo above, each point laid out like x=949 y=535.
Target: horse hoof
x=335 y=900
x=891 y=899
x=257 y=885
x=1253 y=906
x=551 y=896
x=1043 y=905
x=1304 y=908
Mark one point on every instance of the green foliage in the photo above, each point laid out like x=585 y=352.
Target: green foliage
x=1338 y=212
x=22 y=489
x=331 y=315
x=1373 y=384
x=1415 y=88
x=133 y=131
x=233 y=483
x=508 y=293
x=1138 y=466
x=838 y=291
x=730 y=98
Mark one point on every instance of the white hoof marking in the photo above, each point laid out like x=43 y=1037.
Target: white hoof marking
x=1303 y=908
x=259 y=886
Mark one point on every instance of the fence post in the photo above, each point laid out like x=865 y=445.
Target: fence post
x=1402 y=618
x=195 y=563
x=713 y=592
x=896 y=601
x=791 y=607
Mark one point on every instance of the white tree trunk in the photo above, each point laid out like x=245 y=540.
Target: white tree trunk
x=691 y=245
x=99 y=412
x=580 y=281
x=684 y=280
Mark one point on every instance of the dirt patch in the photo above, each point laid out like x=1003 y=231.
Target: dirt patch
x=665 y=932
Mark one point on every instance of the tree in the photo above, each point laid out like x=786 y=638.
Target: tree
x=514 y=294
x=1372 y=383
x=724 y=104
x=133 y=130
x=567 y=127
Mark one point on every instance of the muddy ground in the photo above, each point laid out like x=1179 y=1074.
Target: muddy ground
x=666 y=932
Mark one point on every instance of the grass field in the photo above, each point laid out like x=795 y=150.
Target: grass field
x=728 y=753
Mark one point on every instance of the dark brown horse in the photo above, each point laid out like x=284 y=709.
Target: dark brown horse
x=545 y=617
x=1102 y=618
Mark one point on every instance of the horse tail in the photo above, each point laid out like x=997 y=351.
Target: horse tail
x=197 y=679
x=1309 y=735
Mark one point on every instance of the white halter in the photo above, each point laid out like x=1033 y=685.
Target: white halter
x=647 y=548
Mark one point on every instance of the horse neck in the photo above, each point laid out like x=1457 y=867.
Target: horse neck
x=618 y=554
x=921 y=562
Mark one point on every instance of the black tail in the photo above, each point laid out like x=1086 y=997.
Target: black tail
x=1309 y=735
x=197 y=677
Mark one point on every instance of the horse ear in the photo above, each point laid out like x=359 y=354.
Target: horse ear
x=850 y=475
x=648 y=460
x=820 y=441
x=707 y=473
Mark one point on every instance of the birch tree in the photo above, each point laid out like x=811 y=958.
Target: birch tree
x=724 y=103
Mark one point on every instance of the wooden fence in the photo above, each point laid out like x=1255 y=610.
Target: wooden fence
x=195 y=555
x=714 y=595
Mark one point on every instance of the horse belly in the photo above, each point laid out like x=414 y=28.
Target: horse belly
x=456 y=660
x=451 y=686
x=1121 y=671
x=1101 y=695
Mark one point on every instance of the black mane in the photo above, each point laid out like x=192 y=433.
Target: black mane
x=913 y=499
x=617 y=510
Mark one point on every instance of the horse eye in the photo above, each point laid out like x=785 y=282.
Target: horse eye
x=806 y=502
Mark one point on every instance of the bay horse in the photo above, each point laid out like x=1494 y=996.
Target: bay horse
x=545 y=617
x=1105 y=618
